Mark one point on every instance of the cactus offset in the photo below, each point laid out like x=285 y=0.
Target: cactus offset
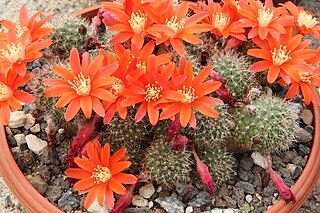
x=267 y=124
x=235 y=69
x=210 y=131
x=165 y=165
x=126 y=133
x=221 y=164
x=67 y=34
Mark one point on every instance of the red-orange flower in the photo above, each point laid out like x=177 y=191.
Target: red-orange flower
x=148 y=89
x=130 y=21
x=283 y=57
x=133 y=63
x=35 y=27
x=126 y=67
x=191 y=95
x=304 y=20
x=101 y=175
x=263 y=19
x=175 y=25
x=224 y=19
x=10 y=96
x=15 y=52
x=83 y=87
x=306 y=84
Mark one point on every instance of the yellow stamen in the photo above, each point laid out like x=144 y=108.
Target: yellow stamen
x=141 y=65
x=5 y=92
x=306 y=20
x=81 y=84
x=189 y=94
x=220 y=21
x=13 y=52
x=174 y=24
x=137 y=22
x=280 y=55
x=117 y=88
x=306 y=77
x=153 y=92
x=20 y=30
x=101 y=174
x=264 y=16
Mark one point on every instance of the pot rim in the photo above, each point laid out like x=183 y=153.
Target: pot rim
x=33 y=201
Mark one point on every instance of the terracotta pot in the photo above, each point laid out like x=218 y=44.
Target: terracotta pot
x=33 y=201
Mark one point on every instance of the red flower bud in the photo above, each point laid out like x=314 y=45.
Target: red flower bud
x=124 y=201
x=180 y=142
x=204 y=173
x=283 y=189
x=173 y=128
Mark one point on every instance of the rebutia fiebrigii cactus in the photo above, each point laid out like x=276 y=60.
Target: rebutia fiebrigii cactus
x=165 y=165
x=210 y=131
x=220 y=163
x=68 y=32
x=235 y=69
x=268 y=124
x=126 y=133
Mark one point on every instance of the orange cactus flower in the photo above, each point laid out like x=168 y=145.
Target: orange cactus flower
x=306 y=84
x=131 y=22
x=264 y=19
x=191 y=95
x=133 y=63
x=148 y=89
x=16 y=52
x=304 y=20
x=126 y=67
x=224 y=19
x=35 y=27
x=83 y=87
x=175 y=25
x=101 y=174
x=10 y=96
x=283 y=57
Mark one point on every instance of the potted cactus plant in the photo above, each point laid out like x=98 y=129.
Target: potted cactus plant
x=195 y=98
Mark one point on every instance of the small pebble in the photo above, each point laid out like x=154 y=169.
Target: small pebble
x=189 y=209
x=35 y=128
x=249 y=198
x=20 y=139
x=30 y=121
x=139 y=201
x=147 y=190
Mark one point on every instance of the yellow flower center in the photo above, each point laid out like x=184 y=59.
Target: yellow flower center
x=189 y=94
x=220 y=21
x=264 y=16
x=81 y=84
x=280 y=55
x=13 y=52
x=306 y=20
x=101 y=174
x=153 y=92
x=174 y=24
x=117 y=88
x=20 y=30
x=141 y=65
x=5 y=92
x=306 y=77
x=137 y=22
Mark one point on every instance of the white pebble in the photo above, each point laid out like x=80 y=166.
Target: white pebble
x=35 y=128
x=249 y=198
x=259 y=160
x=30 y=121
x=35 y=144
x=189 y=209
x=17 y=119
x=20 y=139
